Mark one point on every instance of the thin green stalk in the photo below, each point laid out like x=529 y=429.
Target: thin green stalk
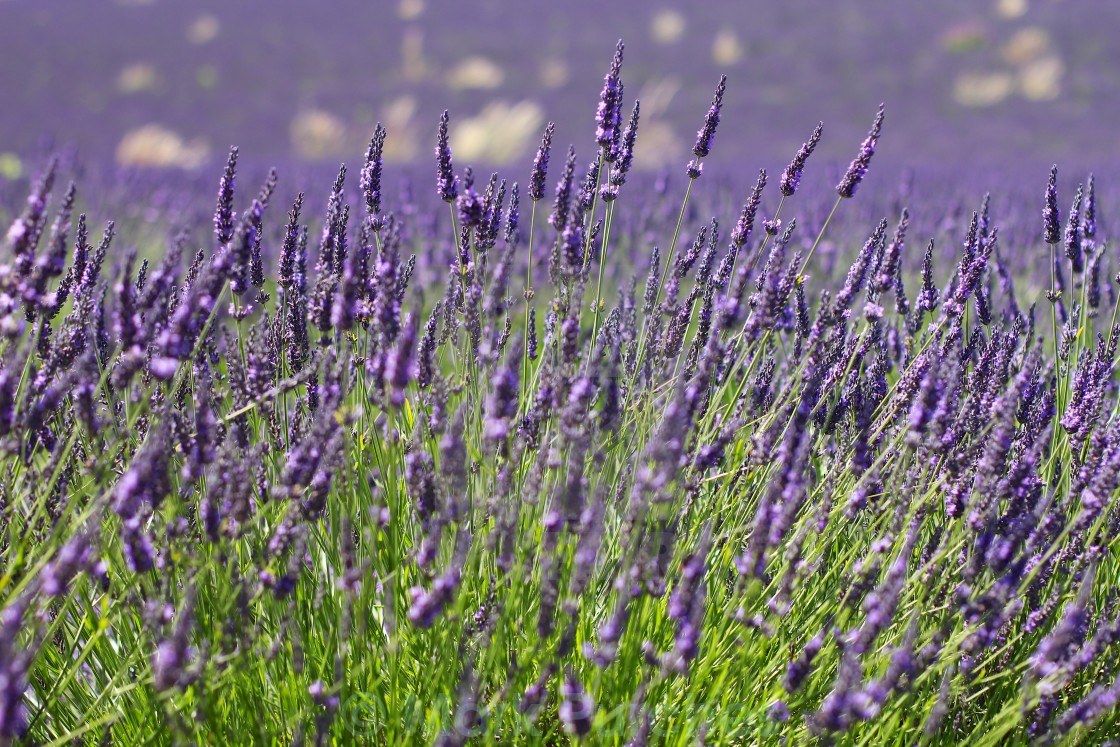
x=765 y=240
x=528 y=293
x=820 y=235
x=594 y=206
x=599 y=282
x=1054 y=301
x=664 y=274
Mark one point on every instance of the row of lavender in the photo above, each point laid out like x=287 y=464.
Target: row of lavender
x=507 y=470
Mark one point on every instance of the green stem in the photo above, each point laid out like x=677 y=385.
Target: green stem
x=820 y=234
x=528 y=293
x=1057 y=344
x=594 y=206
x=647 y=330
x=599 y=283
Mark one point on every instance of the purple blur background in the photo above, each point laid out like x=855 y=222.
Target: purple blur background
x=980 y=85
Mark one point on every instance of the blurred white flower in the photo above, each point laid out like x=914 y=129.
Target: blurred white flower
x=414 y=65
x=138 y=77
x=1041 y=80
x=726 y=48
x=667 y=26
x=1027 y=45
x=410 y=9
x=204 y=29
x=553 y=73
x=499 y=134
x=475 y=73
x=154 y=145
x=400 y=141
x=982 y=89
x=316 y=133
x=1011 y=9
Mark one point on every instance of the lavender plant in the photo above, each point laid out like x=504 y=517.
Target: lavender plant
x=424 y=487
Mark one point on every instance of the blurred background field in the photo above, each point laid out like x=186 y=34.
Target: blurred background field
x=976 y=85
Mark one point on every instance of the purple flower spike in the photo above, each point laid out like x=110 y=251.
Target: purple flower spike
x=15 y=663
x=799 y=669
x=447 y=184
x=371 y=177
x=704 y=136
x=928 y=297
x=400 y=367
x=561 y=206
x=502 y=404
x=778 y=711
x=223 y=215
x=288 y=254
x=607 y=117
x=540 y=165
x=172 y=656
x=577 y=709
x=1089 y=227
x=1073 y=232
x=1051 y=218
x=791 y=177
x=742 y=233
x=858 y=168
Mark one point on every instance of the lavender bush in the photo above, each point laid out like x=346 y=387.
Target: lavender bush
x=593 y=457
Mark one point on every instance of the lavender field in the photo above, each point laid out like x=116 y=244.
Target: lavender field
x=747 y=381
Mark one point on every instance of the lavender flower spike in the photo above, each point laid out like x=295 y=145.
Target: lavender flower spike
x=223 y=214
x=742 y=233
x=607 y=116
x=447 y=184
x=577 y=709
x=791 y=177
x=624 y=158
x=704 y=136
x=1089 y=226
x=288 y=248
x=501 y=405
x=540 y=165
x=1073 y=232
x=858 y=168
x=15 y=663
x=1051 y=219
x=371 y=177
